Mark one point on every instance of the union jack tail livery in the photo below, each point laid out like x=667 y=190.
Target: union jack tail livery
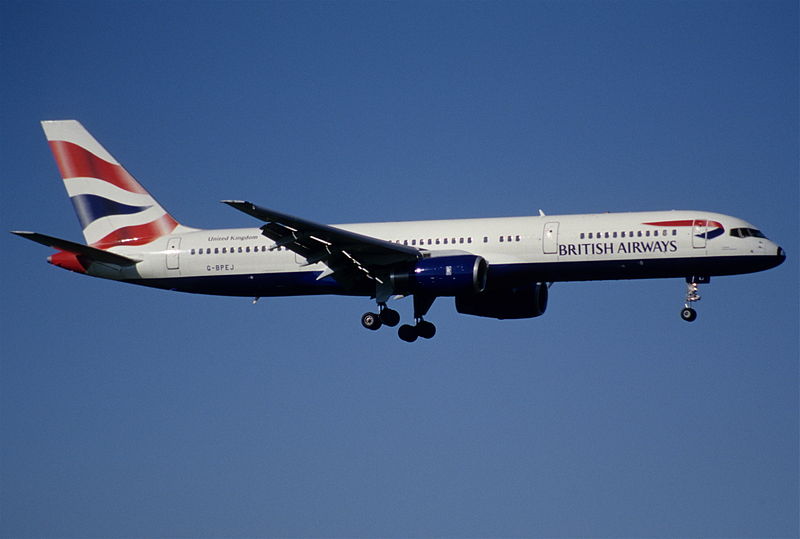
x=112 y=207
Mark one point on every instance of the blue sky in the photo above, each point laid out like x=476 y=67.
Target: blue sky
x=130 y=412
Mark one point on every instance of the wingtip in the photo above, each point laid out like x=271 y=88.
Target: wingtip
x=242 y=205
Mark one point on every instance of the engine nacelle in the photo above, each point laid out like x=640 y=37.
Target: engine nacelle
x=522 y=302
x=448 y=275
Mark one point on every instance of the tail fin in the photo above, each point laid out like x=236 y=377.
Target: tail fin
x=112 y=207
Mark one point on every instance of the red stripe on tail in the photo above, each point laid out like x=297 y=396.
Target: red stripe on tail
x=139 y=234
x=77 y=162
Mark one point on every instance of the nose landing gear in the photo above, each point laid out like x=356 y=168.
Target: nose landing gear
x=692 y=295
x=688 y=314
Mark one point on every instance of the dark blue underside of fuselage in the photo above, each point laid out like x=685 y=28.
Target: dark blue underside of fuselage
x=500 y=276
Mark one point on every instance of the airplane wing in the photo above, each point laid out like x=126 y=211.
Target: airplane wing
x=348 y=255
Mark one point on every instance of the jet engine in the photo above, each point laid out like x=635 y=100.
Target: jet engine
x=522 y=302
x=442 y=276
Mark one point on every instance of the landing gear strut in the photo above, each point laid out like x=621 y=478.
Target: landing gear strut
x=692 y=295
x=421 y=328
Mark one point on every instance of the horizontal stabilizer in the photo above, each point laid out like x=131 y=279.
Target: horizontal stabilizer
x=92 y=253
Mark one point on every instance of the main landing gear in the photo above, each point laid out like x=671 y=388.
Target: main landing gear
x=692 y=295
x=386 y=317
x=390 y=317
x=422 y=328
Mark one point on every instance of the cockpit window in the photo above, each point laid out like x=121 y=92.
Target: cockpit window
x=747 y=233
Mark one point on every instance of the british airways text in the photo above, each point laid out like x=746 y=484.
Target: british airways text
x=609 y=248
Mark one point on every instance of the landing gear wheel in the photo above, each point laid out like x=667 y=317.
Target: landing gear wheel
x=371 y=321
x=426 y=330
x=390 y=317
x=688 y=314
x=407 y=333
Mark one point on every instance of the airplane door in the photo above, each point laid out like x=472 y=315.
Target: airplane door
x=173 y=253
x=699 y=230
x=550 y=238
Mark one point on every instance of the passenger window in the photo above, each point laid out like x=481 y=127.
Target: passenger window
x=655 y=233
x=614 y=234
x=445 y=241
x=582 y=235
x=623 y=233
x=674 y=231
x=216 y=250
x=437 y=241
x=501 y=239
x=486 y=239
x=460 y=240
x=240 y=249
x=469 y=240
x=591 y=235
x=517 y=238
x=639 y=233
x=413 y=242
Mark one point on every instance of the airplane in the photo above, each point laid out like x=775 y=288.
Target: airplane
x=494 y=267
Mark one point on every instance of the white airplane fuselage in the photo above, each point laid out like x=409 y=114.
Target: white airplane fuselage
x=550 y=248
